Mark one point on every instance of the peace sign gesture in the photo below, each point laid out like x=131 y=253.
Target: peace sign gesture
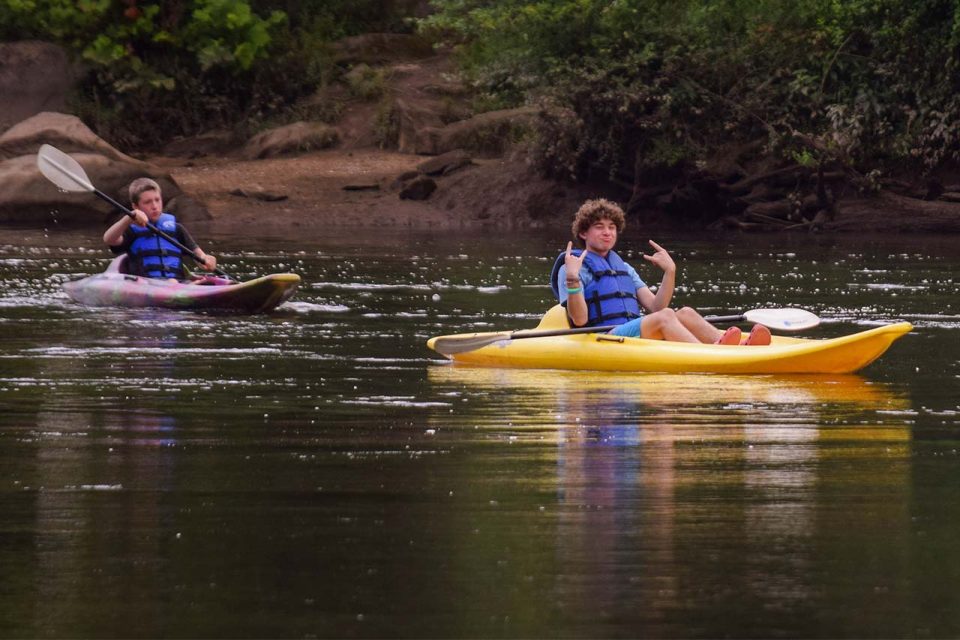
x=573 y=263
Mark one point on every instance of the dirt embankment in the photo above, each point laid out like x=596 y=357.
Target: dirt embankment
x=356 y=182
x=359 y=188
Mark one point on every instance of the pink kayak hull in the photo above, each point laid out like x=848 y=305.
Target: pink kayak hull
x=114 y=288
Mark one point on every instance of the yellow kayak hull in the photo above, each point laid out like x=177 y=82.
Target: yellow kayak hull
x=601 y=352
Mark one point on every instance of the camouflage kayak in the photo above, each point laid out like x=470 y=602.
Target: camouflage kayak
x=115 y=288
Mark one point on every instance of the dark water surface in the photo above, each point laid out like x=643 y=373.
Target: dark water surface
x=318 y=472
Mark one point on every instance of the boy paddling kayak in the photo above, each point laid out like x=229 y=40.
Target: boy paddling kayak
x=597 y=287
x=151 y=255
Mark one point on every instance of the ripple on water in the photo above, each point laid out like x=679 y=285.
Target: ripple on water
x=313 y=307
x=395 y=401
x=139 y=352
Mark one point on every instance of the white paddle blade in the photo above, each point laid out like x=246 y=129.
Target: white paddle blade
x=62 y=170
x=783 y=319
x=449 y=345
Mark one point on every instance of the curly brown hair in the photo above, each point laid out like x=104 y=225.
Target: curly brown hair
x=591 y=212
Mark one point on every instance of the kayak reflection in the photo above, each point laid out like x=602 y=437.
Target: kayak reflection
x=664 y=389
x=661 y=481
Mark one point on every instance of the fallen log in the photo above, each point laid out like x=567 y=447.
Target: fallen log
x=777 y=176
x=779 y=209
x=767 y=219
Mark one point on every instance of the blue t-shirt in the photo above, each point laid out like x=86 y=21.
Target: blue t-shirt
x=586 y=277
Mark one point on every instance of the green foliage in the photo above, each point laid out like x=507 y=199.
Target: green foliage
x=181 y=66
x=204 y=33
x=649 y=82
x=803 y=157
x=365 y=82
x=191 y=65
x=227 y=33
x=335 y=19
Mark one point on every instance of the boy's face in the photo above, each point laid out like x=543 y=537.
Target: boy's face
x=600 y=236
x=151 y=204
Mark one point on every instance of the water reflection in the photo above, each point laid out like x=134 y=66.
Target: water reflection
x=99 y=481
x=734 y=392
x=330 y=478
x=663 y=481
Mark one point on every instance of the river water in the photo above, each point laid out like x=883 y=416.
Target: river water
x=317 y=472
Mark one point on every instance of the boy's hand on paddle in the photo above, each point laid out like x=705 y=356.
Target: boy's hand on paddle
x=140 y=218
x=573 y=262
x=209 y=262
x=661 y=258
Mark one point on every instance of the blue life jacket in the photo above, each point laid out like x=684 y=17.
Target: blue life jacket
x=153 y=256
x=612 y=296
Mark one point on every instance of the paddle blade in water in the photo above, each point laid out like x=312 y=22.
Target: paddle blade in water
x=62 y=170
x=449 y=345
x=783 y=319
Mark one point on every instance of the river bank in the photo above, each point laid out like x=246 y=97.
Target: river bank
x=360 y=188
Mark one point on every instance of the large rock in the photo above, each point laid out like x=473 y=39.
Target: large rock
x=488 y=134
x=419 y=188
x=418 y=126
x=34 y=77
x=445 y=164
x=211 y=143
x=28 y=198
x=292 y=138
x=65 y=132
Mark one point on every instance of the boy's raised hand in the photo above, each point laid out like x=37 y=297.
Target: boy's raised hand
x=573 y=262
x=661 y=258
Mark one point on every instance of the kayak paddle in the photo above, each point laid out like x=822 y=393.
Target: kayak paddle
x=782 y=319
x=66 y=173
x=449 y=345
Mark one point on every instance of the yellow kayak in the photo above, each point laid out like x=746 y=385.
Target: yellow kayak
x=602 y=352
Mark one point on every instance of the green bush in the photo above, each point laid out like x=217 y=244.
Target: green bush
x=159 y=69
x=180 y=67
x=868 y=82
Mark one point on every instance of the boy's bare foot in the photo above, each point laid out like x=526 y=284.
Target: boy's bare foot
x=730 y=336
x=759 y=336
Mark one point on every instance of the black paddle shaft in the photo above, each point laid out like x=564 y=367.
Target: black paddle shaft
x=736 y=318
x=162 y=234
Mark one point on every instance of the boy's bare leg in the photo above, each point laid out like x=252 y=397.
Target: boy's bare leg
x=665 y=325
x=696 y=325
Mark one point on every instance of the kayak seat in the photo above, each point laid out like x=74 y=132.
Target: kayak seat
x=119 y=265
x=555 y=318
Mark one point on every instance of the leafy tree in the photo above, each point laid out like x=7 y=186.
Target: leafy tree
x=178 y=66
x=632 y=82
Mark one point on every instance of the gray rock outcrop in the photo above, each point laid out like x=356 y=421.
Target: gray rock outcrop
x=489 y=134
x=34 y=77
x=292 y=138
x=419 y=188
x=445 y=164
x=28 y=198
